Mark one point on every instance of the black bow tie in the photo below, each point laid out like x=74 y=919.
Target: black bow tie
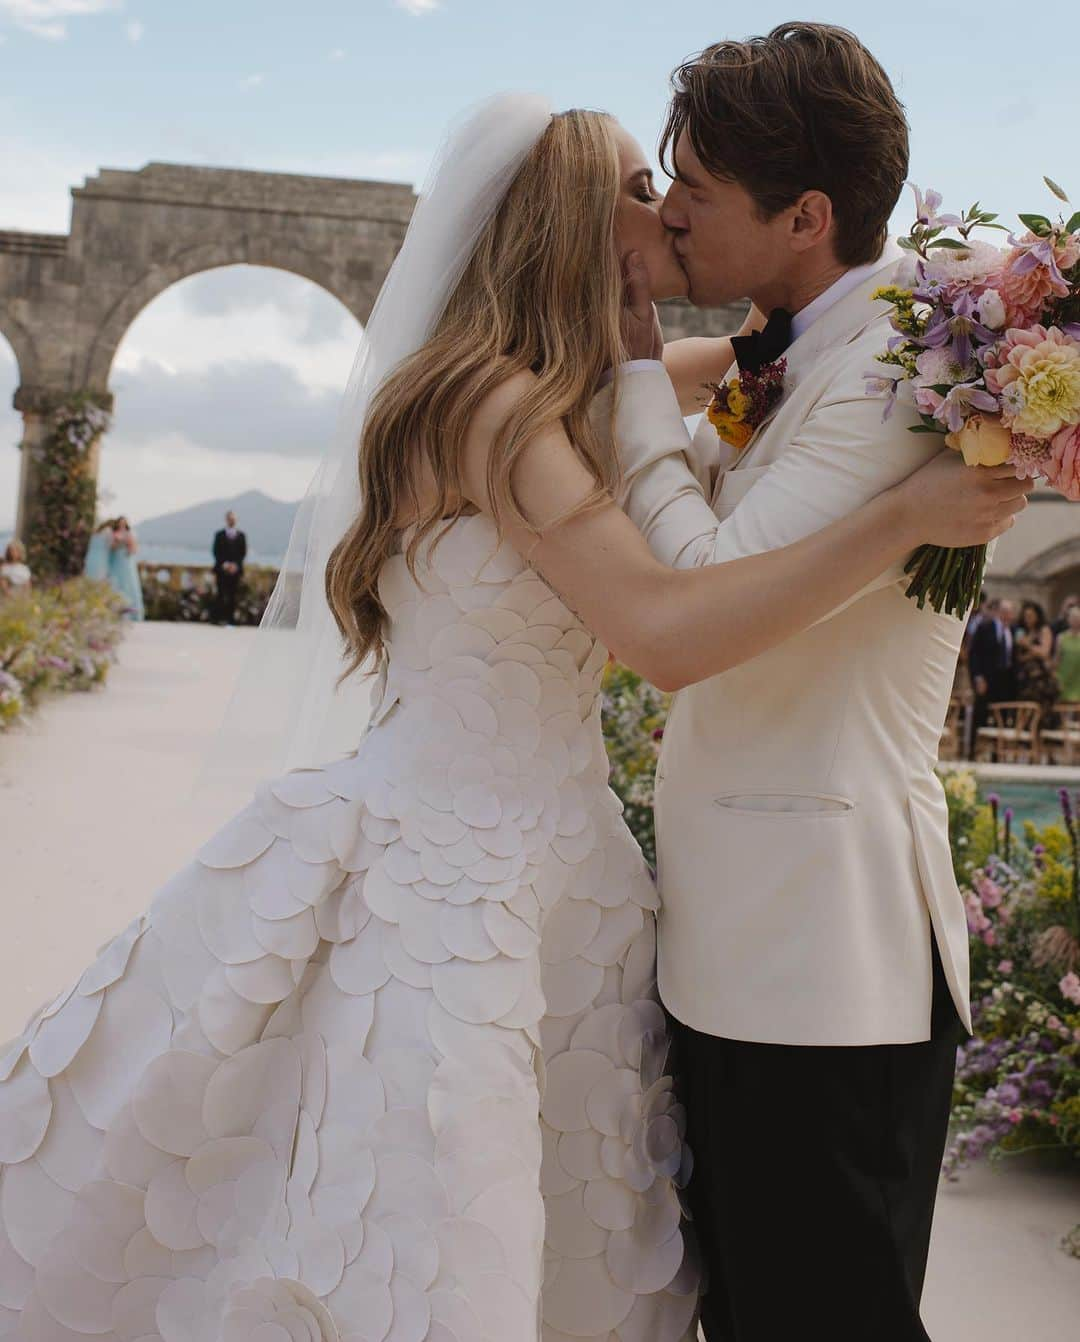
x=758 y=348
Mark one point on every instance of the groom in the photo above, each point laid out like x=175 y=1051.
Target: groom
x=812 y=939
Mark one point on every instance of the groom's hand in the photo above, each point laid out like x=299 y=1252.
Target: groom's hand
x=642 y=333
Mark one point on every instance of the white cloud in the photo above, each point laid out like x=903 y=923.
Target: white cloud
x=132 y=474
x=47 y=18
x=418 y=7
x=271 y=316
x=135 y=30
x=338 y=54
x=252 y=81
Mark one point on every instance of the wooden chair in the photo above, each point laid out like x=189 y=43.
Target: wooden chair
x=951 y=747
x=1013 y=736
x=1062 y=742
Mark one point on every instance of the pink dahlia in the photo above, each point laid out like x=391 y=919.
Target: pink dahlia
x=1029 y=455
x=1036 y=373
x=1032 y=276
x=1063 y=468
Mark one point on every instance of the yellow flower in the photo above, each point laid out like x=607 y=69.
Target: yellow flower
x=733 y=431
x=984 y=441
x=962 y=787
x=893 y=293
x=1045 y=365
x=738 y=403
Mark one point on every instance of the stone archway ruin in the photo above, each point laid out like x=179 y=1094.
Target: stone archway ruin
x=66 y=300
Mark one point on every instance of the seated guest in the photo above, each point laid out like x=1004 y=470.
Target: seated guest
x=15 y=573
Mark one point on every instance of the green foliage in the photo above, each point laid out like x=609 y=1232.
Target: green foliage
x=64 y=493
x=194 y=603
x=1018 y=1079
x=1038 y=223
x=633 y=715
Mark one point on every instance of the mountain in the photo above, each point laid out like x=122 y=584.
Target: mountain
x=266 y=522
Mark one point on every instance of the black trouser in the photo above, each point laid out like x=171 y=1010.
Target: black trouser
x=815 y=1175
x=227 y=586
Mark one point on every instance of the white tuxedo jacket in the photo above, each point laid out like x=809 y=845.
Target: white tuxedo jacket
x=802 y=835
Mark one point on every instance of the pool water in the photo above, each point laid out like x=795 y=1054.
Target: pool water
x=1037 y=802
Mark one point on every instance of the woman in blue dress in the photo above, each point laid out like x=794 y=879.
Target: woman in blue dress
x=110 y=557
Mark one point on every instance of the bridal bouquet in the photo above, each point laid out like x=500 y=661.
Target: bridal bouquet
x=987 y=349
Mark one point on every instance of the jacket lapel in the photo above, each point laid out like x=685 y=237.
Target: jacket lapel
x=840 y=324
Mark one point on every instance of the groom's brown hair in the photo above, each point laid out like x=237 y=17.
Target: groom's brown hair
x=805 y=108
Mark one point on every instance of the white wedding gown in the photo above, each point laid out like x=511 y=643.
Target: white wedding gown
x=385 y=1063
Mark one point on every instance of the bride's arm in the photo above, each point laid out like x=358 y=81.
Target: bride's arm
x=678 y=627
x=693 y=362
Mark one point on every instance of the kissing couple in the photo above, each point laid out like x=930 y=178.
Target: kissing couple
x=390 y=1060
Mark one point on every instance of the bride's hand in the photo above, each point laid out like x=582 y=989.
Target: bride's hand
x=948 y=503
x=642 y=334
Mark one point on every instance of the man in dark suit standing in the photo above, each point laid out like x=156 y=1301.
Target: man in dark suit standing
x=230 y=548
x=990 y=659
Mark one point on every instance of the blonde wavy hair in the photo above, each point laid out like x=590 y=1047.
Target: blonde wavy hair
x=542 y=291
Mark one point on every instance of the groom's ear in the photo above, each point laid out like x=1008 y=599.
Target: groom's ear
x=811 y=221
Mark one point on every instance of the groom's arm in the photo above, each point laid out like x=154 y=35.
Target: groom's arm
x=842 y=456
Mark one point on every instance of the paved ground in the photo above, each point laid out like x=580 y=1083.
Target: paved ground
x=95 y=812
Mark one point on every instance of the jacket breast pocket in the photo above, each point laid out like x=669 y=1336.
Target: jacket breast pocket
x=785 y=805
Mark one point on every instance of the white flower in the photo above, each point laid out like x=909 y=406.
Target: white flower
x=974 y=265
x=937 y=367
x=270 y=1309
x=991 y=309
x=1012 y=400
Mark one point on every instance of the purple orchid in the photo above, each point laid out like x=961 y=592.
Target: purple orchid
x=926 y=209
x=877 y=385
x=1039 y=252
x=960 y=401
x=960 y=328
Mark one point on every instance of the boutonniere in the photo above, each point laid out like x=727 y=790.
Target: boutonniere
x=739 y=406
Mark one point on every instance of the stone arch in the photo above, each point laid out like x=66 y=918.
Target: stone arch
x=23 y=347
x=1051 y=562
x=241 y=250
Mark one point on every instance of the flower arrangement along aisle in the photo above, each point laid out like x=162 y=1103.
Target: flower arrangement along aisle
x=55 y=639
x=633 y=713
x=1018 y=1078
x=987 y=349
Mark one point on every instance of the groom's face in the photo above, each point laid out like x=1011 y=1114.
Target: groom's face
x=727 y=250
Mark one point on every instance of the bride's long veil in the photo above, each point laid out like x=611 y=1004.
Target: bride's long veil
x=287 y=710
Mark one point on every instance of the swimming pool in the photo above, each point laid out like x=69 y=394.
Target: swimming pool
x=1037 y=802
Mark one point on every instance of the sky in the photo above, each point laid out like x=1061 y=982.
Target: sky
x=230 y=379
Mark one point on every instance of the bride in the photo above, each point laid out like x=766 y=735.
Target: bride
x=385 y=1062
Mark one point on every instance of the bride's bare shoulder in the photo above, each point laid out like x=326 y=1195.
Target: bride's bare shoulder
x=498 y=404
x=487 y=418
